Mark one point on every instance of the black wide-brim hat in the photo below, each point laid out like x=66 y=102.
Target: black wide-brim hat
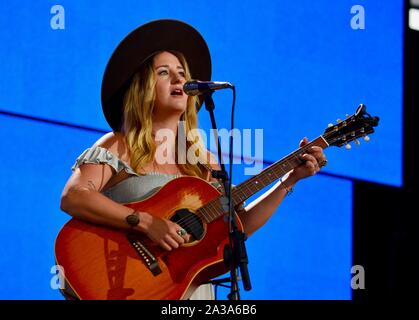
x=137 y=47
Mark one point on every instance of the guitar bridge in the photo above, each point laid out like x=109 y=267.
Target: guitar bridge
x=150 y=261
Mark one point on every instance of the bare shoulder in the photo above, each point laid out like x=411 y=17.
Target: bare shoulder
x=114 y=142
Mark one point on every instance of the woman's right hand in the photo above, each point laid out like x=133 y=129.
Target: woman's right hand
x=163 y=231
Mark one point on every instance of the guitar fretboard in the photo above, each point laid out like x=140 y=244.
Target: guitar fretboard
x=243 y=191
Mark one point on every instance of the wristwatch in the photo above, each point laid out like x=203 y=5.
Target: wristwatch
x=133 y=219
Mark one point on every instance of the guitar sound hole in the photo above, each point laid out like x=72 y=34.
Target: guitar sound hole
x=190 y=222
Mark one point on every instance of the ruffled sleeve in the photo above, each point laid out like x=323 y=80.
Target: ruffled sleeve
x=99 y=155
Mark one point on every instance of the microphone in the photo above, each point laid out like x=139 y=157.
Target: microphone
x=197 y=87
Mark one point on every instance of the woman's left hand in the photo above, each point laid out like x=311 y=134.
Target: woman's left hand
x=313 y=161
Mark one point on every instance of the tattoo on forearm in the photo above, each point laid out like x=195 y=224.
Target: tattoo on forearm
x=91 y=185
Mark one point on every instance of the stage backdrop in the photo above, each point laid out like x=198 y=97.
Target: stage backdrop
x=296 y=67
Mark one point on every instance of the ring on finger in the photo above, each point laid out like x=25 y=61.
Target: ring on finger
x=323 y=163
x=181 y=232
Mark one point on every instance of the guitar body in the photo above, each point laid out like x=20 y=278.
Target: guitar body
x=101 y=263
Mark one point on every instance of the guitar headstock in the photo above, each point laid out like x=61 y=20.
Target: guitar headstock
x=353 y=127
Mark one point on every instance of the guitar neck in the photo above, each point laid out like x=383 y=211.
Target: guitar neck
x=246 y=189
x=358 y=125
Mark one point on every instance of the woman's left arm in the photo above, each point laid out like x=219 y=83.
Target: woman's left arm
x=258 y=212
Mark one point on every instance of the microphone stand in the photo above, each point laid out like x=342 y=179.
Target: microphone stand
x=235 y=254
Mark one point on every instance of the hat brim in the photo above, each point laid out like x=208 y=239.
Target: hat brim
x=140 y=44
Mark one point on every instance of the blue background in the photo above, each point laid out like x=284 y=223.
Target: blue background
x=296 y=65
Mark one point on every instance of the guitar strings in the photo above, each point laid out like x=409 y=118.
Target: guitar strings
x=290 y=158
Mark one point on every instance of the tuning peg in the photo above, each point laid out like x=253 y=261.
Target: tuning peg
x=348 y=146
x=338 y=120
x=357 y=142
x=330 y=125
x=366 y=138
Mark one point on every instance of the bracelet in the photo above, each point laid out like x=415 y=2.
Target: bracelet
x=286 y=188
x=133 y=219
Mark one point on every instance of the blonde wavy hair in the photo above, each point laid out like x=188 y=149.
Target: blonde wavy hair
x=137 y=124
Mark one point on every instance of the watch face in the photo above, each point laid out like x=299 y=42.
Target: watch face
x=133 y=220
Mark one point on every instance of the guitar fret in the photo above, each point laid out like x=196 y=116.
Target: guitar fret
x=251 y=186
x=204 y=214
x=274 y=173
x=236 y=194
x=217 y=207
x=213 y=213
x=260 y=183
x=248 y=189
x=266 y=179
x=237 y=201
x=212 y=210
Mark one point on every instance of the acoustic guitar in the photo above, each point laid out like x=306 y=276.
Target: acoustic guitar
x=105 y=263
